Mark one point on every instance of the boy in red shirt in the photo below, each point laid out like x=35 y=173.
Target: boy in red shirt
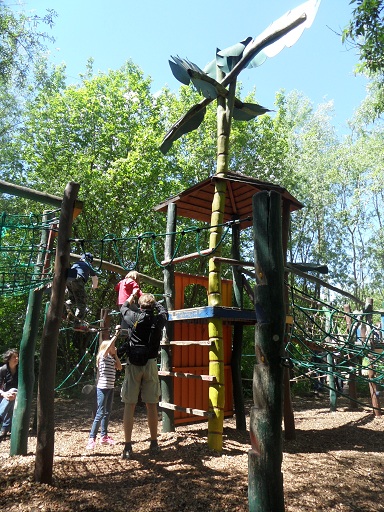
x=128 y=289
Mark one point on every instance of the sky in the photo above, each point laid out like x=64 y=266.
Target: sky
x=149 y=31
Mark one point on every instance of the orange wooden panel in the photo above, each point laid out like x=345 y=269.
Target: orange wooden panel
x=176 y=350
x=194 y=393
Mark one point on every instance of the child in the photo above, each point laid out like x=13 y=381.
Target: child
x=77 y=276
x=129 y=289
x=107 y=363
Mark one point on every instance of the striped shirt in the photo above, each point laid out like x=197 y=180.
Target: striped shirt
x=107 y=373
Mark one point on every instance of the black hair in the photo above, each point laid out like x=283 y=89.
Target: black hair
x=8 y=354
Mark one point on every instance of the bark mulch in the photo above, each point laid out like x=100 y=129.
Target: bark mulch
x=335 y=464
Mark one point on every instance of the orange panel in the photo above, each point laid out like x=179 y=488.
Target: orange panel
x=193 y=393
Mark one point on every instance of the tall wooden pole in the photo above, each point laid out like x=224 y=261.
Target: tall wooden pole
x=23 y=407
x=215 y=325
x=352 y=389
x=48 y=352
x=237 y=343
x=289 y=418
x=265 y=479
x=168 y=415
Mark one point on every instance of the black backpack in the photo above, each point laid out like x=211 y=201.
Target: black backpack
x=141 y=342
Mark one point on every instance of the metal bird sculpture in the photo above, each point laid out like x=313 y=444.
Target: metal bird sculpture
x=228 y=63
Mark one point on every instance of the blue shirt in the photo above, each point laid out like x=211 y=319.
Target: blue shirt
x=83 y=269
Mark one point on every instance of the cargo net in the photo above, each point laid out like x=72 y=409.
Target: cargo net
x=329 y=346
x=26 y=252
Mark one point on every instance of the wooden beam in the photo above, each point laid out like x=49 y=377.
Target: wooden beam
x=188 y=410
x=231 y=261
x=106 y=265
x=180 y=259
x=185 y=343
x=35 y=195
x=183 y=375
x=323 y=283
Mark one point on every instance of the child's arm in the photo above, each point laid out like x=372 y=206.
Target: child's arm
x=136 y=292
x=118 y=364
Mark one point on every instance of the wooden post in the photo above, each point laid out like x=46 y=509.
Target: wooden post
x=48 y=351
x=289 y=418
x=371 y=372
x=330 y=362
x=215 y=326
x=105 y=322
x=237 y=342
x=332 y=384
x=23 y=406
x=352 y=390
x=168 y=415
x=265 y=479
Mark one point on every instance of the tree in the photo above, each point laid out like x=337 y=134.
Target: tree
x=20 y=42
x=366 y=31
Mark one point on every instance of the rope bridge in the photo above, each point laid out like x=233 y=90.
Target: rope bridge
x=27 y=249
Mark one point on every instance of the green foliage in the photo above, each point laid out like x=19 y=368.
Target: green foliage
x=105 y=131
x=20 y=41
x=366 y=31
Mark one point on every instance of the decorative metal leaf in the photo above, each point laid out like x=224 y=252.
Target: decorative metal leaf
x=210 y=68
x=207 y=89
x=180 y=68
x=309 y=267
x=179 y=72
x=227 y=59
x=189 y=122
x=307 y=9
x=248 y=111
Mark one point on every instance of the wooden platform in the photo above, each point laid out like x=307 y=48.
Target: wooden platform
x=202 y=314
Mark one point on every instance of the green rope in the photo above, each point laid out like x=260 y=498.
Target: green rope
x=60 y=386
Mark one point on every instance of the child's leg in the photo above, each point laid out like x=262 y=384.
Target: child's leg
x=99 y=413
x=108 y=399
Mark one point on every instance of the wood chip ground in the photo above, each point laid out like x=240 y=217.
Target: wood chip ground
x=335 y=464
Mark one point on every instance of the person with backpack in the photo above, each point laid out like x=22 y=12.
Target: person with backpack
x=145 y=331
x=77 y=276
x=8 y=390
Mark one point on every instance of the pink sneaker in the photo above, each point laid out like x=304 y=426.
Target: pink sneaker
x=91 y=443
x=107 y=440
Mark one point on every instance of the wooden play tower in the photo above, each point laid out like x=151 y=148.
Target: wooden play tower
x=185 y=358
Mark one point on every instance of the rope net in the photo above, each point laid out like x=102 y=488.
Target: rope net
x=25 y=260
x=27 y=249
x=321 y=347
x=329 y=346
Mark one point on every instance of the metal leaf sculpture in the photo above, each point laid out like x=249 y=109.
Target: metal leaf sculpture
x=282 y=33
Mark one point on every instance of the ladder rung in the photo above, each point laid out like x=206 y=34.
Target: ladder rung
x=188 y=410
x=190 y=342
x=209 y=378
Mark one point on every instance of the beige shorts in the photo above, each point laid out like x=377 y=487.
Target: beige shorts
x=144 y=378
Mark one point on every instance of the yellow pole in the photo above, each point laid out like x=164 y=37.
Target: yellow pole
x=215 y=325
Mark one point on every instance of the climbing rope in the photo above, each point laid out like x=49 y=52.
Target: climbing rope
x=316 y=349
x=90 y=353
